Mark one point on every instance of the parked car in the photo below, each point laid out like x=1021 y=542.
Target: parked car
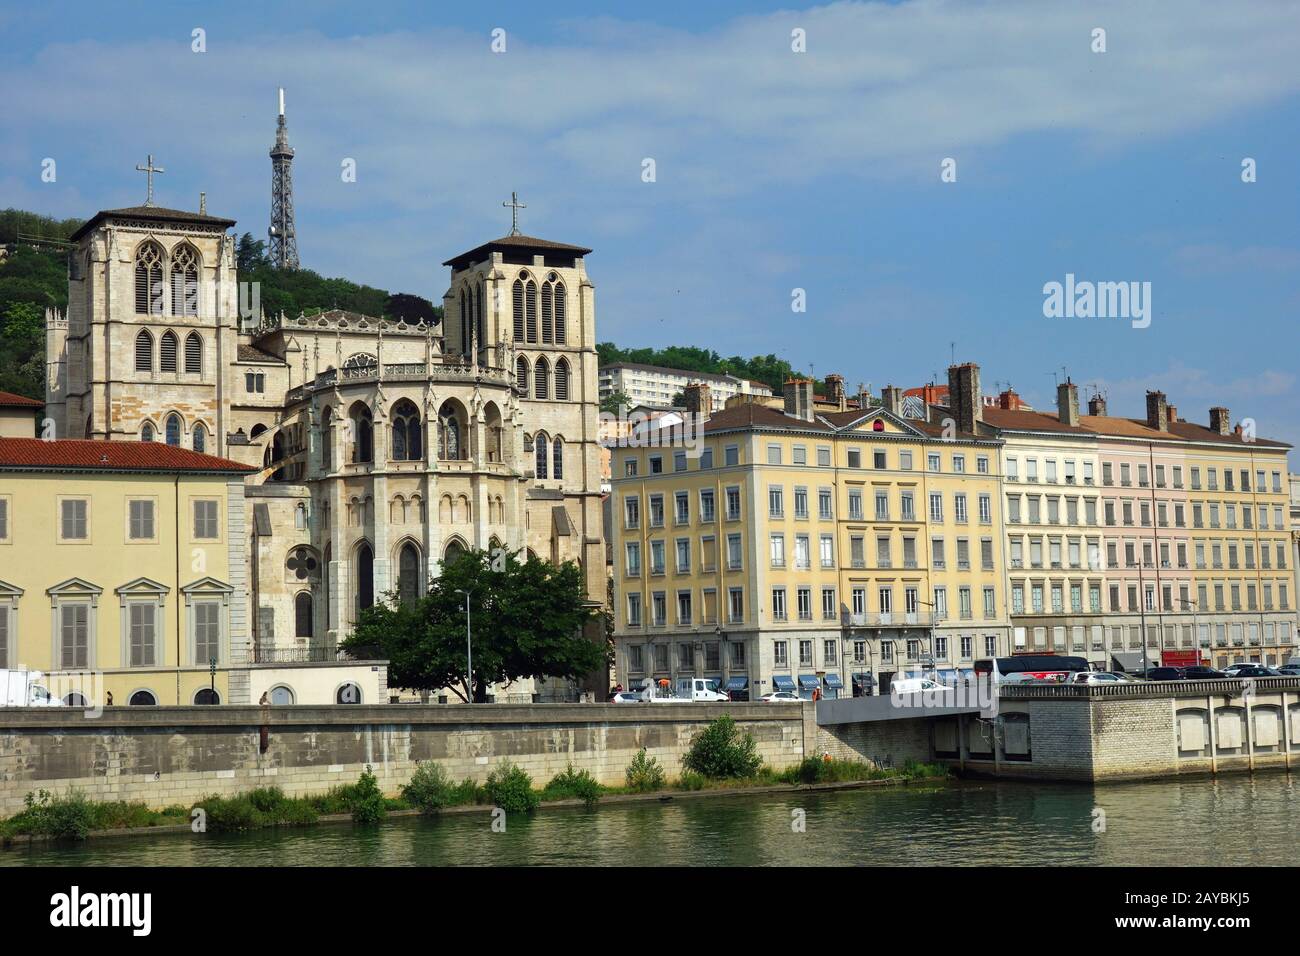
x=1198 y=672
x=1100 y=677
x=1231 y=669
x=1165 y=673
x=1256 y=670
x=626 y=697
x=781 y=697
x=1289 y=670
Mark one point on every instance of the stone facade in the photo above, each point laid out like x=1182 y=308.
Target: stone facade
x=383 y=445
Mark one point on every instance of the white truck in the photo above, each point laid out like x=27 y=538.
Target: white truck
x=22 y=688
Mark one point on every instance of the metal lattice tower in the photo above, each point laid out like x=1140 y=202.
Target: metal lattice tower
x=284 y=240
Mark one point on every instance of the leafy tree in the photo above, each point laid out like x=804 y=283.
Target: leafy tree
x=767 y=369
x=528 y=619
x=412 y=308
x=615 y=403
x=250 y=254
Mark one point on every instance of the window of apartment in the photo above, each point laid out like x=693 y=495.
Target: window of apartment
x=982 y=464
x=908 y=501
x=780 y=654
x=932 y=461
x=774 y=454
x=707 y=515
x=936 y=553
x=633 y=559
x=140 y=519
x=855 y=504
x=4 y=518
x=855 y=457
x=824 y=504
x=857 y=551
x=803 y=600
x=74 y=635
x=659 y=611
x=1050 y=465
x=682 y=507
x=778 y=604
x=629 y=467
x=823 y=456
x=634 y=620
x=904 y=461
x=142 y=618
x=679 y=461
x=880 y=459
x=656 y=511
x=959 y=464
x=73 y=524
x=829 y=609
x=735 y=605
x=827 y=551
x=959 y=508
x=799 y=455
x=882 y=504
x=936 y=506
x=805 y=653
x=731 y=455
x=801 y=502
x=733 y=552
x=733 y=503
x=776 y=548
x=706 y=459
x=656 y=557
x=683 y=555
x=656 y=464
x=684 y=607
x=986 y=509
x=1013 y=469
x=775 y=501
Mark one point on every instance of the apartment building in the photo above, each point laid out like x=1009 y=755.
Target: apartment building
x=657 y=386
x=808 y=551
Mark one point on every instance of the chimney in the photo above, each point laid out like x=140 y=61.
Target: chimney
x=1157 y=411
x=1009 y=400
x=1173 y=414
x=1097 y=406
x=798 y=395
x=964 y=395
x=835 y=391
x=891 y=396
x=1219 y=420
x=698 y=399
x=1067 y=403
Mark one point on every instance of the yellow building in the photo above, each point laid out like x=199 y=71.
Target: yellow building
x=123 y=571
x=799 y=549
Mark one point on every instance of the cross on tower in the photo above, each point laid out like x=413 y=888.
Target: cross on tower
x=149 y=170
x=515 y=205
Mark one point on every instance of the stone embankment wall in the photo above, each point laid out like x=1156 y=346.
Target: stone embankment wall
x=175 y=755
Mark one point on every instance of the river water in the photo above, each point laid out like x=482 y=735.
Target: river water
x=1228 y=821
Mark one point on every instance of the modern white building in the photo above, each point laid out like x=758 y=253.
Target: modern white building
x=656 y=385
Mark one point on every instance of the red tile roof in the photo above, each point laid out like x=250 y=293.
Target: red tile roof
x=10 y=400
x=34 y=454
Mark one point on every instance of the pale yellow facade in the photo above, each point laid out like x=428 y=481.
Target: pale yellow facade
x=125 y=583
x=805 y=552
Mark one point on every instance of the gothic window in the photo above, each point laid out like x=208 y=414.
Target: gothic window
x=146 y=433
x=540 y=450
x=363 y=432
x=149 y=280
x=518 y=296
x=193 y=352
x=302 y=614
x=548 y=314
x=365 y=578
x=406 y=432
x=167 y=352
x=521 y=375
x=560 y=337
x=174 y=427
x=480 y=313
x=408 y=574
x=199 y=440
x=451 y=444
x=454 y=550
x=301 y=564
x=466 y=311
x=144 y=351
x=530 y=305
x=562 y=380
x=492 y=430
x=557 y=457
x=185 y=281
x=326 y=439
x=541 y=376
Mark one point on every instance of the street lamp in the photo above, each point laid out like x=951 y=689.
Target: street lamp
x=469 y=647
x=1196 y=630
x=933 y=617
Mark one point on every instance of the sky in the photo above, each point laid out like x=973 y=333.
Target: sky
x=773 y=170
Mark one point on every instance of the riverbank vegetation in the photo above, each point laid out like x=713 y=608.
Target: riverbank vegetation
x=720 y=759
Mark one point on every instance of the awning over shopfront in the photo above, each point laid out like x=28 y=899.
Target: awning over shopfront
x=736 y=683
x=809 y=681
x=1127 y=660
x=783 y=682
x=833 y=681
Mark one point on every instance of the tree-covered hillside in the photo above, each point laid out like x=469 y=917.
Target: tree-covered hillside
x=761 y=368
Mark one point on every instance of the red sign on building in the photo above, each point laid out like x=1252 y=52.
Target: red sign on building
x=1180 y=658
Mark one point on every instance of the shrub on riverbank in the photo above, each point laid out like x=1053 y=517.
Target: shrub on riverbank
x=824 y=769
x=573 y=785
x=720 y=751
x=511 y=789
x=255 y=810
x=644 y=774
x=368 y=804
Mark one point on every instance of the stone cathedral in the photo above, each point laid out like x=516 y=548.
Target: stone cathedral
x=381 y=445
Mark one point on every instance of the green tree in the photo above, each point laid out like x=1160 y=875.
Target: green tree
x=528 y=621
x=615 y=403
x=250 y=254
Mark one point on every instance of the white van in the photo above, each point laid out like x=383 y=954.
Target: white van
x=699 y=689
x=25 y=689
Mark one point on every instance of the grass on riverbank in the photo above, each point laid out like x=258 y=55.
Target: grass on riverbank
x=72 y=816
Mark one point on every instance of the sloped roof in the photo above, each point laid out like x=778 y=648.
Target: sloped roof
x=514 y=244
x=151 y=214
x=35 y=454
x=10 y=400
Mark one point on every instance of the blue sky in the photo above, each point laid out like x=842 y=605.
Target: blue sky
x=774 y=170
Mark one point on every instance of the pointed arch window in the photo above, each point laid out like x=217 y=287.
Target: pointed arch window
x=541 y=377
x=557 y=457
x=194 y=352
x=541 y=454
x=327 y=439
x=200 y=439
x=144 y=351
x=530 y=305
x=149 y=280
x=363 y=432
x=365 y=578
x=562 y=380
x=518 y=296
x=548 y=314
x=408 y=574
x=560 y=307
x=450 y=444
x=146 y=433
x=302 y=614
x=521 y=375
x=174 y=428
x=406 y=444
x=480 y=314
x=185 y=281
x=167 y=352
